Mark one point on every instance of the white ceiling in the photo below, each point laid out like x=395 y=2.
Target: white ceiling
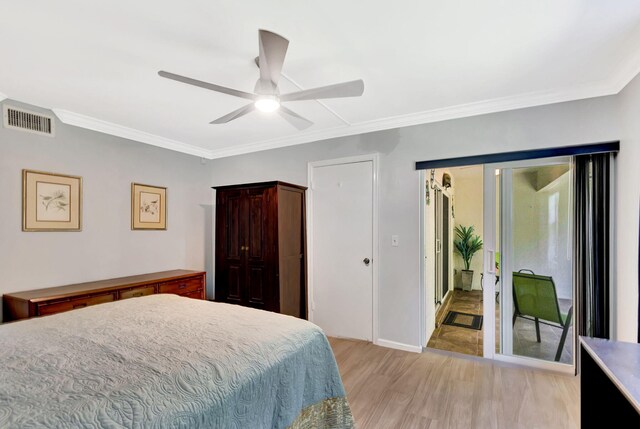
x=95 y=63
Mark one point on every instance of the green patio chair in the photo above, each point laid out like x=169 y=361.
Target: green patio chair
x=535 y=297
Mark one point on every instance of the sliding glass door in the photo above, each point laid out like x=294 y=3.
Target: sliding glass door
x=529 y=291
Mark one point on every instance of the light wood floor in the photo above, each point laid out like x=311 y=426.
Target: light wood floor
x=389 y=388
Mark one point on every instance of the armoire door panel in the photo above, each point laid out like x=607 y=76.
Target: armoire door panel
x=256 y=285
x=255 y=226
x=234 y=282
x=233 y=226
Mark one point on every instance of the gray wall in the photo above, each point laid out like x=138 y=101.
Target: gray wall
x=106 y=247
x=586 y=121
x=627 y=217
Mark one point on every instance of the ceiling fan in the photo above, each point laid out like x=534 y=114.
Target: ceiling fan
x=266 y=96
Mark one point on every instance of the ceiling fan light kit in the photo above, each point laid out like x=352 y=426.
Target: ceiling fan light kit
x=266 y=96
x=267 y=103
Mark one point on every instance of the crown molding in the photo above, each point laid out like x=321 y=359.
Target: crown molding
x=82 y=121
x=3 y=97
x=609 y=87
x=436 y=115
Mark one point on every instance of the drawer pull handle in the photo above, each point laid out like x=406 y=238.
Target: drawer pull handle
x=182 y=286
x=137 y=294
x=79 y=305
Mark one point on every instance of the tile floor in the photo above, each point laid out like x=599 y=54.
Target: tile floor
x=454 y=338
x=470 y=341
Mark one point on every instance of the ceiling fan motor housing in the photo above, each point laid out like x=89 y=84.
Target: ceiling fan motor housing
x=266 y=87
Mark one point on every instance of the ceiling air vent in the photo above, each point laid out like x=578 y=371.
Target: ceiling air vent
x=24 y=120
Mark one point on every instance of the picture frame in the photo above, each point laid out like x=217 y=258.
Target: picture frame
x=148 y=207
x=51 y=202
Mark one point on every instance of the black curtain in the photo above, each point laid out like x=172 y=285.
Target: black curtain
x=592 y=243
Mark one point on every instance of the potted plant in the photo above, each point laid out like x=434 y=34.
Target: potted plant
x=467 y=244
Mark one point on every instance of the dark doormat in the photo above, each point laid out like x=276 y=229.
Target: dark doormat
x=463 y=320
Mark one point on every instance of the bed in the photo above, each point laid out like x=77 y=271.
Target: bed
x=164 y=361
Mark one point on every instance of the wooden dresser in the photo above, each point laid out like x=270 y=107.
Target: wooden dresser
x=42 y=302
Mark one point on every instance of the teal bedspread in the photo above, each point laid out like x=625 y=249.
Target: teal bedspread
x=164 y=361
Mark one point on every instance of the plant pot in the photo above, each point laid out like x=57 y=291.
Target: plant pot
x=467 y=280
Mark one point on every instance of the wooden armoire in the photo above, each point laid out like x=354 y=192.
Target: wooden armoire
x=261 y=247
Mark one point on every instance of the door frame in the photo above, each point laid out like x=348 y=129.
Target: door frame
x=426 y=301
x=374 y=159
x=425 y=333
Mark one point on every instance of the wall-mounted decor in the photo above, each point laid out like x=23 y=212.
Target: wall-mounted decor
x=446 y=180
x=148 y=207
x=430 y=185
x=51 y=202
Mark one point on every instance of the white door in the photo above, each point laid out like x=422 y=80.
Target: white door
x=342 y=222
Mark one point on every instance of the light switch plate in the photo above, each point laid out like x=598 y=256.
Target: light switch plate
x=395 y=240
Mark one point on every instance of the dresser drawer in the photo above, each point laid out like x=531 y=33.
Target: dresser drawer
x=196 y=294
x=181 y=287
x=136 y=292
x=72 y=304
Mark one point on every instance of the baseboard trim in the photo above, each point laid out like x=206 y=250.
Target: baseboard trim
x=443 y=310
x=397 y=346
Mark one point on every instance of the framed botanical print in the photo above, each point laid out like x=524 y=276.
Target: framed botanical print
x=148 y=207
x=51 y=202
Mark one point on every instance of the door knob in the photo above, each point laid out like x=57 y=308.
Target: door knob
x=366 y=261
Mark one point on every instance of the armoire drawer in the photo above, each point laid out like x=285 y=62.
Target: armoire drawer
x=72 y=304
x=136 y=292
x=181 y=287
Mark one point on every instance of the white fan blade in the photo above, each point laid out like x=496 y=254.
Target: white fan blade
x=355 y=88
x=294 y=119
x=207 y=85
x=273 y=49
x=235 y=114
